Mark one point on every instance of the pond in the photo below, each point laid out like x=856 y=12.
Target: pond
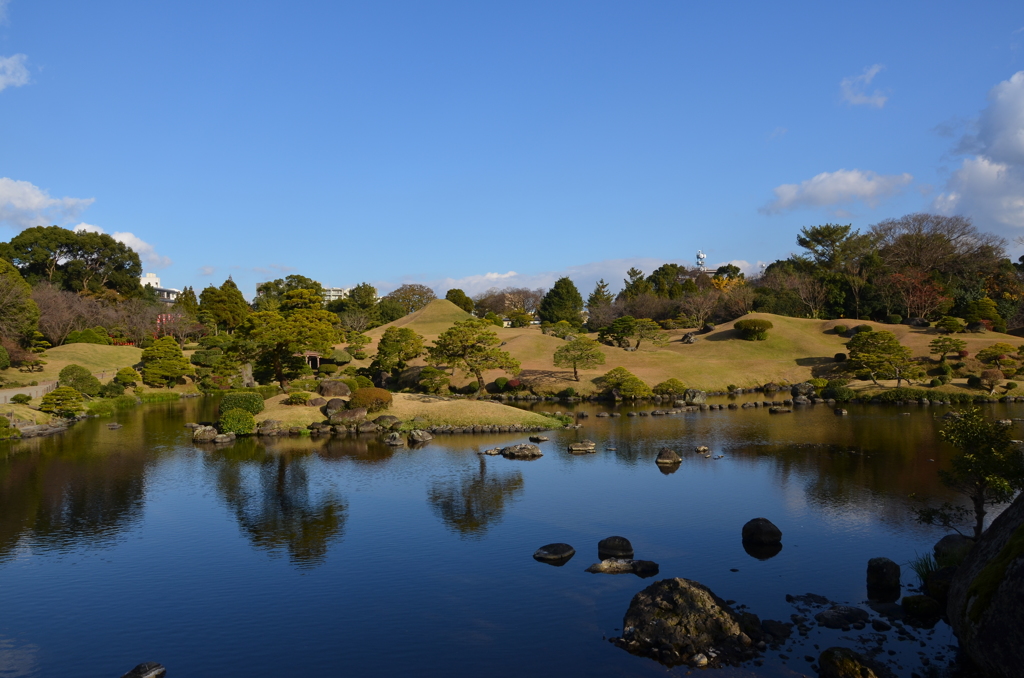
x=298 y=556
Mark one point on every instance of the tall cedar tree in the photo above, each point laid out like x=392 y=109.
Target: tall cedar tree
x=225 y=304
x=187 y=303
x=562 y=302
x=472 y=346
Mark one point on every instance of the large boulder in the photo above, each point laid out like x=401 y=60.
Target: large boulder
x=802 y=389
x=395 y=439
x=204 y=434
x=334 y=388
x=842 y=662
x=419 y=436
x=334 y=405
x=952 y=547
x=689 y=338
x=348 y=416
x=694 y=397
x=761 y=531
x=883 y=579
x=986 y=599
x=523 y=451
x=554 y=554
x=667 y=457
x=614 y=547
x=386 y=420
x=680 y=621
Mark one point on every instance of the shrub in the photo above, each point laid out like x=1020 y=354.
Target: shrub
x=840 y=357
x=471 y=387
x=974 y=381
x=840 y=394
x=994 y=352
x=112 y=390
x=373 y=399
x=963 y=354
x=1008 y=373
x=836 y=383
x=80 y=379
x=935 y=382
x=237 y=421
x=88 y=336
x=514 y=385
x=21 y=399
x=991 y=378
x=306 y=384
x=363 y=382
x=818 y=384
x=839 y=329
x=670 y=387
x=754 y=329
x=206 y=357
x=328 y=369
x=945 y=378
x=265 y=391
x=568 y=392
x=863 y=328
x=127 y=376
x=341 y=357
x=5 y=358
x=501 y=383
x=730 y=388
x=63 y=401
x=242 y=400
x=1010 y=385
x=945 y=368
x=359 y=355
x=433 y=380
x=297 y=398
x=894 y=319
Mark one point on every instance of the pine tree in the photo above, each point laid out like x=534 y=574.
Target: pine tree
x=562 y=302
x=187 y=303
x=163 y=363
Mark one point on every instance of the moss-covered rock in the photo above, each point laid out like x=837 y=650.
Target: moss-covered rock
x=986 y=598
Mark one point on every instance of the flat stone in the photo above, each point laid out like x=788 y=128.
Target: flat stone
x=554 y=553
x=523 y=451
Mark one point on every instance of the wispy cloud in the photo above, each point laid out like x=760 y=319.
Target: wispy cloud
x=3 y=10
x=147 y=253
x=207 y=270
x=23 y=205
x=989 y=185
x=830 y=189
x=778 y=133
x=271 y=270
x=854 y=89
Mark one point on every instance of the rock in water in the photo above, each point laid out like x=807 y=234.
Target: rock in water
x=986 y=599
x=952 y=547
x=641 y=568
x=348 y=416
x=839 y=616
x=204 y=434
x=420 y=436
x=538 y=439
x=583 y=447
x=883 y=579
x=147 y=670
x=523 y=451
x=614 y=547
x=395 y=439
x=694 y=397
x=842 y=662
x=668 y=457
x=676 y=620
x=761 y=531
x=554 y=554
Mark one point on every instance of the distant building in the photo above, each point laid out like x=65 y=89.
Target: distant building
x=168 y=295
x=335 y=293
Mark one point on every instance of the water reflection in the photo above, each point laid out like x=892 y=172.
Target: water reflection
x=274 y=504
x=471 y=503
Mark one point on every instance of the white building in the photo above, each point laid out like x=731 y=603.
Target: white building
x=168 y=295
x=335 y=293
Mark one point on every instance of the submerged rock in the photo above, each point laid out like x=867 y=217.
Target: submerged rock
x=841 y=616
x=842 y=662
x=614 y=547
x=522 y=451
x=883 y=579
x=583 y=447
x=677 y=621
x=204 y=434
x=539 y=439
x=641 y=568
x=554 y=554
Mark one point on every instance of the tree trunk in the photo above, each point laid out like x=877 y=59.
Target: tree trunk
x=979 y=514
x=479 y=383
x=278 y=371
x=575 y=373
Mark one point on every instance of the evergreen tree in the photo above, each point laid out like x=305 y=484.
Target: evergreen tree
x=635 y=284
x=600 y=296
x=583 y=353
x=562 y=302
x=163 y=363
x=472 y=346
x=397 y=346
x=226 y=304
x=460 y=299
x=187 y=303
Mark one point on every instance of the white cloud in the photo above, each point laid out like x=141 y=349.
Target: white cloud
x=23 y=205
x=13 y=72
x=989 y=185
x=147 y=253
x=854 y=89
x=843 y=186
x=207 y=270
x=3 y=10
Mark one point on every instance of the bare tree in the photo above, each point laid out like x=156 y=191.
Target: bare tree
x=508 y=299
x=60 y=312
x=355 y=320
x=739 y=301
x=812 y=292
x=136 y=319
x=701 y=305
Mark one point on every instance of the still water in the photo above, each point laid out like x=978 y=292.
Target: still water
x=280 y=557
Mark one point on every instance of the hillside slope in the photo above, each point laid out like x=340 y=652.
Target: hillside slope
x=96 y=358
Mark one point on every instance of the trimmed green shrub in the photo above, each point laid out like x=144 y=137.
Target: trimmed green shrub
x=818 y=384
x=670 y=387
x=627 y=384
x=863 y=328
x=1010 y=385
x=945 y=378
x=905 y=394
x=433 y=380
x=840 y=357
x=501 y=383
x=206 y=357
x=112 y=390
x=237 y=421
x=363 y=382
x=127 y=376
x=21 y=399
x=305 y=384
x=836 y=383
x=221 y=341
x=373 y=399
x=328 y=369
x=265 y=390
x=341 y=357
x=935 y=383
x=753 y=329
x=839 y=329
x=80 y=379
x=894 y=319
x=297 y=398
x=973 y=381
x=352 y=383
x=63 y=401
x=242 y=400
x=840 y=394
x=471 y=387
x=88 y=336
x=568 y=392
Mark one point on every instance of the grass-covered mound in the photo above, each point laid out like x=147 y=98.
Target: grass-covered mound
x=435 y=410
x=93 y=357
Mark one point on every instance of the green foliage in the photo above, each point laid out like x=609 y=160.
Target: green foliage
x=894 y=319
x=264 y=391
x=275 y=339
x=670 y=387
x=837 y=382
x=242 y=400
x=754 y=329
x=881 y=355
x=992 y=353
x=163 y=363
x=433 y=380
x=840 y=394
x=225 y=304
x=580 y=353
x=373 y=399
x=19 y=314
x=562 y=302
x=618 y=332
x=471 y=387
x=5 y=358
x=818 y=384
x=6 y=430
x=298 y=398
x=76 y=261
x=97 y=335
x=520 y=318
x=328 y=369
x=974 y=381
x=397 y=346
x=21 y=399
x=924 y=567
x=363 y=382
x=206 y=357
x=935 y=383
x=112 y=390
x=863 y=328
x=942 y=345
x=237 y=421
x=950 y=325
x=562 y=329
x=624 y=383
x=985 y=309
x=470 y=345
x=906 y=394
x=80 y=379
x=127 y=376
x=501 y=383
x=411 y=297
x=839 y=329
x=63 y=401
x=494 y=319
x=645 y=329
x=1010 y=385
x=460 y=299
x=340 y=357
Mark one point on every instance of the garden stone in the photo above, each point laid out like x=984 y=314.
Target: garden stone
x=317 y=402
x=689 y=338
x=614 y=547
x=204 y=434
x=539 y=439
x=335 y=405
x=952 y=546
x=523 y=451
x=349 y=416
x=333 y=388
x=386 y=420
x=761 y=531
x=802 y=389
x=839 y=616
x=668 y=457
x=420 y=436
x=367 y=427
x=583 y=447
x=554 y=554
x=693 y=396
x=641 y=568
x=883 y=579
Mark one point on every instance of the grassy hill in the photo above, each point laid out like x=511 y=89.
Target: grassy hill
x=93 y=357
x=794 y=348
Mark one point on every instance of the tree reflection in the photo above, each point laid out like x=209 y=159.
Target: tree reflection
x=275 y=507
x=472 y=503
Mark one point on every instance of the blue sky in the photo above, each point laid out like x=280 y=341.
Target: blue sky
x=484 y=143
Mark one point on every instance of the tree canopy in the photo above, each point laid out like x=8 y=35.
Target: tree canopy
x=275 y=338
x=471 y=345
x=580 y=353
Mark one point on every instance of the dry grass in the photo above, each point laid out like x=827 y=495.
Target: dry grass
x=25 y=413
x=93 y=357
x=794 y=348
x=436 y=411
